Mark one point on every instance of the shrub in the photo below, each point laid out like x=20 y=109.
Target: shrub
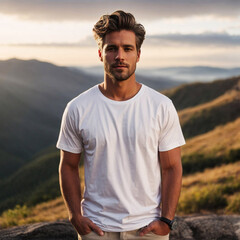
x=46 y=191
x=198 y=162
x=207 y=198
x=234 y=204
x=12 y=217
x=233 y=155
x=231 y=188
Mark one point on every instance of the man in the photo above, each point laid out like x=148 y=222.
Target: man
x=131 y=138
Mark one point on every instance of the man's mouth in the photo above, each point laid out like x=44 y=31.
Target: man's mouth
x=119 y=66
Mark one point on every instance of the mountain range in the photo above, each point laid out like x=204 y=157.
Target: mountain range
x=33 y=95
x=210 y=115
x=179 y=74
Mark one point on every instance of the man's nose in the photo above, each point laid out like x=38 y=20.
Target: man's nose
x=120 y=54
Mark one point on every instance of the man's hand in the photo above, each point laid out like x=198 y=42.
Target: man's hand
x=157 y=227
x=84 y=226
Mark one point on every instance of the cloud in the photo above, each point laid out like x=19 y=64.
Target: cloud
x=57 y=10
x=87 y=42
x=204 y=39
x=167 y=40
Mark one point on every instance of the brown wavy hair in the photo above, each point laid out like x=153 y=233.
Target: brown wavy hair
x=119 y=20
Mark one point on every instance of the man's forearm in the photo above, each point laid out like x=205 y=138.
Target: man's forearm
x=171 y=188
x=171 y=171
x=70 y=188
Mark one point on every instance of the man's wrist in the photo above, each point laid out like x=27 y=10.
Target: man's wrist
x=172 y=224
x=75 y=216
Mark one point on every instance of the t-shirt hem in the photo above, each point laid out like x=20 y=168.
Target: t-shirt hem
x=170 y=147
x=126 y=229
x=68 y=149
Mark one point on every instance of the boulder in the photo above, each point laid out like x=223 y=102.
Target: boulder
x=209 y=227
x=60 y=230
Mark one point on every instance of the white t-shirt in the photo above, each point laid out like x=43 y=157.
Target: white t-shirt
x=121 y=140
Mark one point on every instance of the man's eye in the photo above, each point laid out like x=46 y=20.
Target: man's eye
x=111 y=49
x=128 y=49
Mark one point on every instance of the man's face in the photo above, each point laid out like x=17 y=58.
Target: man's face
x=119 y=55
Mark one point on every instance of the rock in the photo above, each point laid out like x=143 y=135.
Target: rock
x=206 y=226
x=183 y=231
x=209 y=227
x=60 y=230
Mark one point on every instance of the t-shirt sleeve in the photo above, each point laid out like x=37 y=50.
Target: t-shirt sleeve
x=69 y=138
x=171 y=135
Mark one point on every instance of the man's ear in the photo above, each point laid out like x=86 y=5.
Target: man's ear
x=100 y=54
x=138 y=55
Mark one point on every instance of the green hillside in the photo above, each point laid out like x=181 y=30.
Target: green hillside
x=212 y=129
x=212 y=191
x=33 y=95
x=205 y=117
x=214 y=148
x=8 y=164
x=33 y=183
x=190 y=95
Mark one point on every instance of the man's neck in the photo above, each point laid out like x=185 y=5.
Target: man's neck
x=119 y=90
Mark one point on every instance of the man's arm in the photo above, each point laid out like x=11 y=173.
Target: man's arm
x=171 y=171
x=171 y=167
x=71 y=192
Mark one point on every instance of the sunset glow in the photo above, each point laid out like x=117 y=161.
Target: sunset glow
x=183 y=38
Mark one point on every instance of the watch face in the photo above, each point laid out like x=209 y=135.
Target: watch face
x=174 y=224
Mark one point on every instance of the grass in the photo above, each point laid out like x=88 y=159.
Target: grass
x=35 y=182
x=20 y=215
x=13 y=217
x=234 y=204
x=219 y=141
x=220 y=146
x=214 y=190
x=47 y=211
x=208 y=198
x=205 y=117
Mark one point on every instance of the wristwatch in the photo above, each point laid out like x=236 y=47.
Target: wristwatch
x=171 y=223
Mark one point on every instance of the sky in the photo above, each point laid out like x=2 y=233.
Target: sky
x=178 y=32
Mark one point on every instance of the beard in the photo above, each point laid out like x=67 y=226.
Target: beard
x=120 y=74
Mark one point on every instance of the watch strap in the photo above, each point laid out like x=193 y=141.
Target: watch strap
x=167 y=221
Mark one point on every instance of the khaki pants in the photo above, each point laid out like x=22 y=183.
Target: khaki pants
x=131 y=235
